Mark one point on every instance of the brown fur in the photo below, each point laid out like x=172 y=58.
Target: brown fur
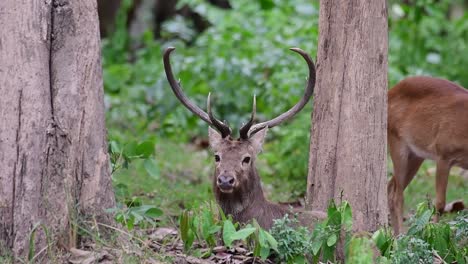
x=427 y=119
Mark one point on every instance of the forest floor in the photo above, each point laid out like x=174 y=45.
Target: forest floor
x=185 y=183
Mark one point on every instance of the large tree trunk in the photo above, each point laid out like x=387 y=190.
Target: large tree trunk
x=53 y=153
x=348 y=141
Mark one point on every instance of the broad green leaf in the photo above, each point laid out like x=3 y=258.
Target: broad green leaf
x=145 y=149
x=316 y=245
x=331 y=241
x=154 y=212
x=264 y=252
x=228 y=231
x=383 y=239
x=242 y=234
x=271 y=240
x=114 y=147
x=347 y=216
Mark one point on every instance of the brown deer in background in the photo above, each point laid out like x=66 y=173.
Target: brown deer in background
x=427 y=119
x=236 y=183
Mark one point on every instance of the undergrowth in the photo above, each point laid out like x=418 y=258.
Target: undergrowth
x=330 y=240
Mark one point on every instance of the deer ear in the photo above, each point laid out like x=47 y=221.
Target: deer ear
x=258 y=138
x=214 y=138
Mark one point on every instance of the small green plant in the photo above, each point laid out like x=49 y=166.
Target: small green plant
x=122 y=155
x=293 y=239
x=135 y=213
x=408 y=249
x=207 y=228
x=327 y=234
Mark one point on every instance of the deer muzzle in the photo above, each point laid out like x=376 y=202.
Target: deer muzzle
x=226 y=183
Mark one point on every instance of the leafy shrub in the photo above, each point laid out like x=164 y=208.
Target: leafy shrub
x=409 y=249
x=424 y=240
x=293 y=240
x=135 y=213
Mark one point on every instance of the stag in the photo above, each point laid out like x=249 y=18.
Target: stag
x=427 y=119
x=236 y=183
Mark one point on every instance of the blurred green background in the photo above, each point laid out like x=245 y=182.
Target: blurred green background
x=235 y=49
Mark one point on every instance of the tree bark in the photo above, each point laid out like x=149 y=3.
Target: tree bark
x=348 y=140
x=53 y=149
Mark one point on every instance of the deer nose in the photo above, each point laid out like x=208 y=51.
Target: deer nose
x=225 y=181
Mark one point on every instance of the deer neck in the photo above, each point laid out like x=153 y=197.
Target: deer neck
x=248 y=196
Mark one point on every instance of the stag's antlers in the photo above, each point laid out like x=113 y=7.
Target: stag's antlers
x=224 y=129
x=248 y=129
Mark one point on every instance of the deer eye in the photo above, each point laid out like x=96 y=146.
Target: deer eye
x=217 y=158
x=246 y=160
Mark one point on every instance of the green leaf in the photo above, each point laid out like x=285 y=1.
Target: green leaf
x=145 y=149
x=420 y=222
x=152 y=168
x=347 y=216
x=114 y=147
x=154 y=212
x=383 y=239
x=315 y=247
x=130 y=151
x=271 y=240
x=186 y=232
x=264 y=252
x=331 y=241
x=242 y=234
x=228 y=231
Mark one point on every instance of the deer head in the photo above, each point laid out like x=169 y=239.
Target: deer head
x=236 y=180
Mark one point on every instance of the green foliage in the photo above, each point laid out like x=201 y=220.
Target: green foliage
x=409 y=249
x=264 y=242
x=135 y=213
x=297 y=243
x=424 y=39
x=122 y=156
x=424 y=239
x=293 y=240
x=210 y=225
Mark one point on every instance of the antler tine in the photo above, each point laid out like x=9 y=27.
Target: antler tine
x=299 y=105
x=220 y=126
x=175 y=86
x=244 y=130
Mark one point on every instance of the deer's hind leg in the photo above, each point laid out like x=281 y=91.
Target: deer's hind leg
x=405 y=166
x=442 y=174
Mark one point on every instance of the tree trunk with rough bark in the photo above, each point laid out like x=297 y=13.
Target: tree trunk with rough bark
x=53 y=151
x=348 y=157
